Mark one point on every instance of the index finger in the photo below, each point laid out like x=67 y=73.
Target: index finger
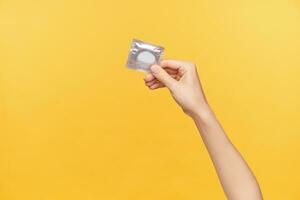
x=173 y=64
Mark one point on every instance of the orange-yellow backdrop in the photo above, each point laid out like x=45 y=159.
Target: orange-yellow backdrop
x=76 y=124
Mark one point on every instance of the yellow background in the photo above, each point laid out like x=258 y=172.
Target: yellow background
x=76 y=124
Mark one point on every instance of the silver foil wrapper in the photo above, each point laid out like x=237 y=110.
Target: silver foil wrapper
x=143 y=54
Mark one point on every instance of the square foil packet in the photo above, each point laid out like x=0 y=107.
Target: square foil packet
x=143 y=54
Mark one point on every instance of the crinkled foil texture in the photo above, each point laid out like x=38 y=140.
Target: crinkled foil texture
x=138 y=46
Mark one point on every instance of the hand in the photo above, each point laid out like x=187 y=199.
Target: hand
x=182 y=80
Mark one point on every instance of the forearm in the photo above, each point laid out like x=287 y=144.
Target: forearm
x=182 y=80
x=235 y=176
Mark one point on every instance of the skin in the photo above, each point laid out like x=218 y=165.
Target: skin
x=182 y=80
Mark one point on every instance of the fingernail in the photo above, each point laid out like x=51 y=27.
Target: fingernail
x=147 y=76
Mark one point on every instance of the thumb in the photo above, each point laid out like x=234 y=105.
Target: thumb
x=162 y=76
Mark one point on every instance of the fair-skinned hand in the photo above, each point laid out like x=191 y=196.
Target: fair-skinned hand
x=182 y=80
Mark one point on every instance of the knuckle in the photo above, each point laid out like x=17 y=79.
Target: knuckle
x=192 y=65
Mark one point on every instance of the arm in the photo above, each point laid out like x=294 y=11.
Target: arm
x=181 y=78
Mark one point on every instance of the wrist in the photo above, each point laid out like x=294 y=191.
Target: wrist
x=202 y=113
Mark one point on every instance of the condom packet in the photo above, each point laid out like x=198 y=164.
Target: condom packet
x=143 y=54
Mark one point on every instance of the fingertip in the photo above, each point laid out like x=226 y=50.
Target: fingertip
x=173 y=64
x=149 y=83
x=148 y=77
x=165 y=62
x=155 y=68
x=156 y=86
